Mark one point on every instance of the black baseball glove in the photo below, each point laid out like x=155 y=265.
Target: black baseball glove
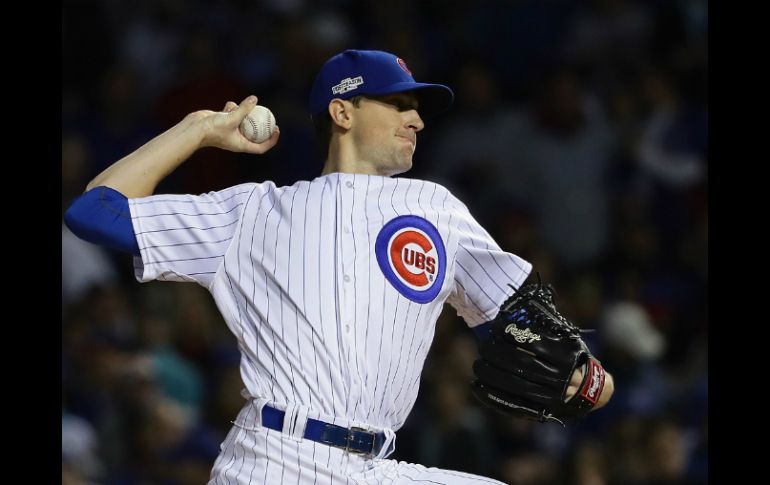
x=525 y=365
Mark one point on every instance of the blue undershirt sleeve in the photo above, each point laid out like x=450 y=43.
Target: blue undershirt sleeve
x=101 y=216
x=483 y=331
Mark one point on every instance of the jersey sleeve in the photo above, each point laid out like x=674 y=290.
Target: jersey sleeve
x=483 y=270
x=185 y=237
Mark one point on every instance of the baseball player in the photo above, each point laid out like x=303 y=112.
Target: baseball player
x=331 y=286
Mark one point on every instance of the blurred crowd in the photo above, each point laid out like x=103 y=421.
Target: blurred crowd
x=578 y=139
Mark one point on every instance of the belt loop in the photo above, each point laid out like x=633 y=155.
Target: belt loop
x=290 y=414
x=296 y=428
x=259 y=403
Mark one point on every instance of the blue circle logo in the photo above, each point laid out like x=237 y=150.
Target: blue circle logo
x=411 y=255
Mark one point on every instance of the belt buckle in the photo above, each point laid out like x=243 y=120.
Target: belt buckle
x=357 y=452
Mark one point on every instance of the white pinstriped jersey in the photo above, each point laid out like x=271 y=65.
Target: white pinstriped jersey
x=332 y=287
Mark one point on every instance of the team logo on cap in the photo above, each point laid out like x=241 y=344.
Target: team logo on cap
x=403 y=65
x=347 y=84
x=411 y=255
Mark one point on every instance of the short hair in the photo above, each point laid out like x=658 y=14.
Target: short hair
x=322 y=124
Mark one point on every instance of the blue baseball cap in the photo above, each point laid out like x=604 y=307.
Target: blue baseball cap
x=374 y=73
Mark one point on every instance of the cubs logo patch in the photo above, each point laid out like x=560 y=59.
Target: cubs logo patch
x=411 y=255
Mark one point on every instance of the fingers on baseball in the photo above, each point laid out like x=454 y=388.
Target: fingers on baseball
x=248 y=103
x=267 y=144
x=242 y=110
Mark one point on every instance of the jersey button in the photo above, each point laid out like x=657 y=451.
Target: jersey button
x=347 y=230
x=349 y=184
x=347 y=278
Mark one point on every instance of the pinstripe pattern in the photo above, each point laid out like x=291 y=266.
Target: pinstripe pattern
x=356 y=321
x=293 y=271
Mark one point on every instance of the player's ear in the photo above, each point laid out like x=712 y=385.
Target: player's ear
x=340 y=112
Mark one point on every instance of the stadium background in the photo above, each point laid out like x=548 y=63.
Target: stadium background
x=578 y=139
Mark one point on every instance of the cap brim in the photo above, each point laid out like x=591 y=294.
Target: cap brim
x=433 y=99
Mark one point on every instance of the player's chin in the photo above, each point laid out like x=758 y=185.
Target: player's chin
x=405 y=153
x=405 y=163
x=400 y=158
x=401 y=166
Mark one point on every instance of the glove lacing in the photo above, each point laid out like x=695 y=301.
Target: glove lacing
x=542 y=296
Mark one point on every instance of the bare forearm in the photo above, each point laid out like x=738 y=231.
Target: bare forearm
x=139 y=173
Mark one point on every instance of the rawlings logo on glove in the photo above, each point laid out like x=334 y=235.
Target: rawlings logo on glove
x=521 y=335
x=526 y=365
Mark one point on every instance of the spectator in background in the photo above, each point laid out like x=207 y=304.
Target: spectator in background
x=474 y=153
x=83 y=267
x=630 y=341
x=80 y=450
x=565 y=147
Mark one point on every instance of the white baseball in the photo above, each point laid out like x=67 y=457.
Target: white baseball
x=259 y=125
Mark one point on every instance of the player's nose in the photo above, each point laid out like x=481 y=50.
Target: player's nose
x=414 y=121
